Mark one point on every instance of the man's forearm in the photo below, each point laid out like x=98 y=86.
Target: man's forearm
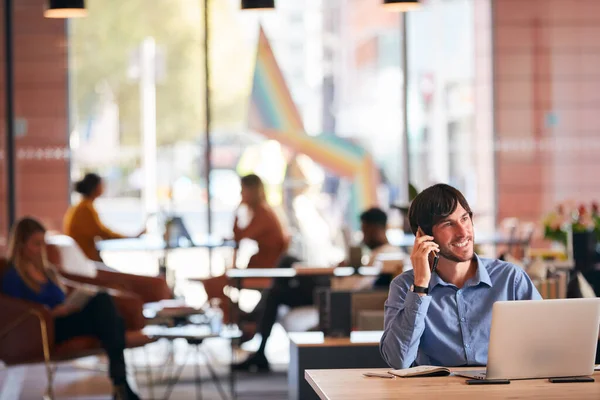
x=400 y=341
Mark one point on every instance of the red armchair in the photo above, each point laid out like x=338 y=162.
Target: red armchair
x=27 y=332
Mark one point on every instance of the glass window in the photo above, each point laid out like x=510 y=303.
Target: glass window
x=139 y=73
x=441 y=86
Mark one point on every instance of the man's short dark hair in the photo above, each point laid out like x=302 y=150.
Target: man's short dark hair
x=434 y=204
x=374 y=216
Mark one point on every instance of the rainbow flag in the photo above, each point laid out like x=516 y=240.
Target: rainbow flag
x=274 y=114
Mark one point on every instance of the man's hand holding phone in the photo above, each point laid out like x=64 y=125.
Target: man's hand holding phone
x=419 y=258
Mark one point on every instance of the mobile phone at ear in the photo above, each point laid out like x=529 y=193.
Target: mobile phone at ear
x=433 y=262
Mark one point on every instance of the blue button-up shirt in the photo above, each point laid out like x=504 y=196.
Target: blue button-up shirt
x=450 y=326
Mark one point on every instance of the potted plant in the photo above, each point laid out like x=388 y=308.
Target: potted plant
x=582 y=222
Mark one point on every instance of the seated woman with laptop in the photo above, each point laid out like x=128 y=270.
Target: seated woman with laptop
x=82 y=223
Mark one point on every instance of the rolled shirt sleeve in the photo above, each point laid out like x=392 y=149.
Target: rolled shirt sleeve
x=404 y=323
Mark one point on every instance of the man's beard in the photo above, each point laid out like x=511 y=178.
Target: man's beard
x=449 y=255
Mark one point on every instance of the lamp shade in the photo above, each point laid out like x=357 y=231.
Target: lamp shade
x=401 y=5
x=65 y=9
x=257 y=4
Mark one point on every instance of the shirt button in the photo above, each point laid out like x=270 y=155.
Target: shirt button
x=459 y=292
x=463 y=320
x=467 y=346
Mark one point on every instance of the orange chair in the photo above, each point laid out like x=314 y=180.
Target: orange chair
x=27 y=332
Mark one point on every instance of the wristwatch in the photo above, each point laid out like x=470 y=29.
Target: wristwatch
x=419 y=289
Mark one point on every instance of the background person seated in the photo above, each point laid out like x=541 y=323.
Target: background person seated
x=257 y=221
x=296 y=292
x=82 y=222
x=261 y=224
x=32 y=278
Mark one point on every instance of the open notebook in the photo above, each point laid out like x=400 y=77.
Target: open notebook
x=80 y=296
x=422 y=370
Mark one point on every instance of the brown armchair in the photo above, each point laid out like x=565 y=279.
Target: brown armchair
x=149 y=288
x=27 y=332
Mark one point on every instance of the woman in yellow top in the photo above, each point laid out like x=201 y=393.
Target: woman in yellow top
x=82 y=222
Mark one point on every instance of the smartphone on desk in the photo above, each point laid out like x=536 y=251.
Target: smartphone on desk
x=572 y=379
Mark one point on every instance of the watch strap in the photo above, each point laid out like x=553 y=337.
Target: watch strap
x=420 y=289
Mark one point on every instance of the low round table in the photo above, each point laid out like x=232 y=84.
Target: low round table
x=195 y=336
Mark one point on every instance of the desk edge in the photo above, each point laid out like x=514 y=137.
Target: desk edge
x=314 y=385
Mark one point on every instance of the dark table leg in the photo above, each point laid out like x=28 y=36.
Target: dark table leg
x=174 y=379
x=213 y=374
x=149 y=372
x=197 y=376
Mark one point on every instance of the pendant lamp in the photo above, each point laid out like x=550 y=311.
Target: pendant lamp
x=401 y=5
x=65 y=9
x=258 y=4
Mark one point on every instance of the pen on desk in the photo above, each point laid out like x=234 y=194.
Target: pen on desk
x=379 y=375
x=435 y=263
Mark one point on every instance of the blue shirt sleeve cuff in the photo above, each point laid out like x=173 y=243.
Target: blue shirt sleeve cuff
x=417 y=303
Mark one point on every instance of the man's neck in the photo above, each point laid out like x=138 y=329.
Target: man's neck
x=455 y=273
x=382 y=241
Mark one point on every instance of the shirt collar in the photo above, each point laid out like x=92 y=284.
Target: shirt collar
x=481 y=276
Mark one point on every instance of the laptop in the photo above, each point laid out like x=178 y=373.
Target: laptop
x=541 y=339
x=176 y=231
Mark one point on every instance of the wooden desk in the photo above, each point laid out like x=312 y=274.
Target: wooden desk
x=350 y=384
x=309 y=350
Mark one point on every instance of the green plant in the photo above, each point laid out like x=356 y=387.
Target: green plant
x=566 y=217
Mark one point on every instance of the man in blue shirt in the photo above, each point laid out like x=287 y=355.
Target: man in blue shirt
x=443 y=318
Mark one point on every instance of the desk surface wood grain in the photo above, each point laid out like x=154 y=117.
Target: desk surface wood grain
x=350 y=384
